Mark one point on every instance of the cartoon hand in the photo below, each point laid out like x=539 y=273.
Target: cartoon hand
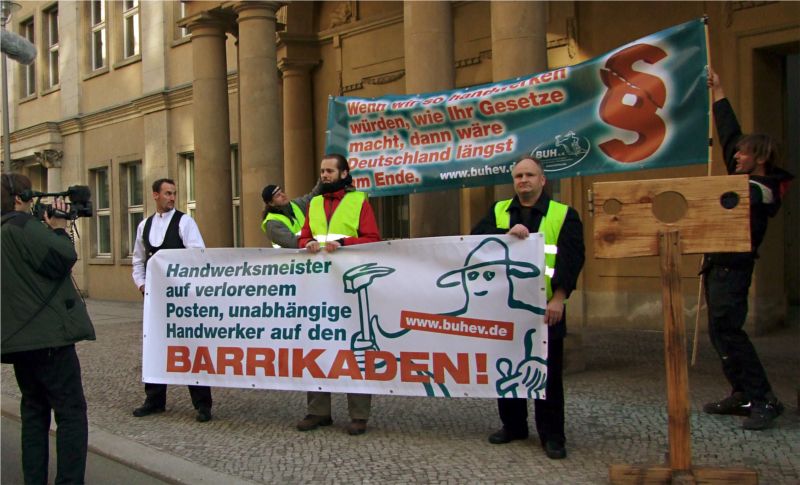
x=533 y=375
x=529 y=378
x=530 y=374
x=508 y=384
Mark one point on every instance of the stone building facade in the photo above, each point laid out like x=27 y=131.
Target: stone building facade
x=228 y=96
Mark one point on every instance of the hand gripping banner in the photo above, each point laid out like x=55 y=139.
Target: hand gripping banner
x=643 y=105
x=450 y=316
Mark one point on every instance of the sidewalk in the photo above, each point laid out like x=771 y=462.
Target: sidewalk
x=616 y=413
x=98 y=468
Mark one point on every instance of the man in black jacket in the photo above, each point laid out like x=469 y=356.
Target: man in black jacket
x=531 y=210
x=43 y=317
x=727 y=276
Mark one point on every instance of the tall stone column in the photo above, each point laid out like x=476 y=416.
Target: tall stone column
x=154 y=79
x=428 y=45
x=212 y=152
x=260 y=136
x=154 y=46
x=519 y=46
x=300 y=168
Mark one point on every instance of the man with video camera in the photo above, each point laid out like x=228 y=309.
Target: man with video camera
x=42 y=317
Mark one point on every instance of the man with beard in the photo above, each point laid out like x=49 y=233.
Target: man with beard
x=340 y=216
x=283 y=218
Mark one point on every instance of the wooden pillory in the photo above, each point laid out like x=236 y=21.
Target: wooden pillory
x=670 y=217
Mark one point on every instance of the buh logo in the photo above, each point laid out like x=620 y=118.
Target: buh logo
x=632 y=101
x=564 y=151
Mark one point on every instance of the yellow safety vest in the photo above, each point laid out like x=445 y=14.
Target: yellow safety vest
x=343 y=223
x=550 y=227
x=295 y=227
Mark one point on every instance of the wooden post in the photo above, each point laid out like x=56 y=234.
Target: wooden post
x=627 y=224
x=680 y=454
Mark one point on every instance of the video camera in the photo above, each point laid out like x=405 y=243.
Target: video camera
x=80 y=204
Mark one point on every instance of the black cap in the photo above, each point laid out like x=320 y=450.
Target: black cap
x=268 y=192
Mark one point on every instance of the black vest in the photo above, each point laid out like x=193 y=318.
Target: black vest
x=172 y=238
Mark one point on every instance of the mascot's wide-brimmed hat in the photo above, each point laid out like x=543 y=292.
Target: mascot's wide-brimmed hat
x=479 y=257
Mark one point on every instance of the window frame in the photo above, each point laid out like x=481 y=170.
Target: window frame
x=393 y=215
x=183 y=32
x=98 y=26
x=188 y=200
x=53 y=75
x=27 y=29
x=130 y=10
x=236 y=197
x=132 y=208
x=105 y=213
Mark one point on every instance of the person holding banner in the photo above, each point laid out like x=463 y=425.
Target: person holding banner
x=283 y=218
x=727 y=276
x=340 y=216
x=532 y=210
x=168 y=228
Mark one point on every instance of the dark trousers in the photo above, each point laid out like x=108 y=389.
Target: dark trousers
x=549 y=413
x=50 y=379
x=157 y=395
x=726 y=297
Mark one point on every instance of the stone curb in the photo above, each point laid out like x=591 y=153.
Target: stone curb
x=158 y=464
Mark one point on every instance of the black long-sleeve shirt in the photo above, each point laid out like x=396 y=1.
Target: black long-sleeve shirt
x=764 y=190
x=571 y=251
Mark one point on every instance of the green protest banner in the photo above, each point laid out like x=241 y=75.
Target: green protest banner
x=641 y=106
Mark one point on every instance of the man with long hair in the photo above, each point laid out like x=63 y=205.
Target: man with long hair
x=727 y=276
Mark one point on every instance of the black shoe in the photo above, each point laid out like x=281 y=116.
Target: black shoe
x=762 y=414
x=312 y=421
x=555 y=450
x=503 y=436
x=736 y=404
x=203 y=415
x=147 y=409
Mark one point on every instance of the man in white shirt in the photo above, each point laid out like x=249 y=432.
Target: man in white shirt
x=166 y=229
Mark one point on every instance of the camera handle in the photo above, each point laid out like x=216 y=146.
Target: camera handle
x=73 y=231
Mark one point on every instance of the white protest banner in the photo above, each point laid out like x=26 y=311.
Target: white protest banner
x=449 y=316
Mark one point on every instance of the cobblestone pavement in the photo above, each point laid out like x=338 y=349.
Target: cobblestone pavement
x=616 y=413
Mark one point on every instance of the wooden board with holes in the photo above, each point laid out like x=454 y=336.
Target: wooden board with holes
x=629 y=215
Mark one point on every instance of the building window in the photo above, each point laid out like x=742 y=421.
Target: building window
x=133 y=198
x=130 y=28
x=184 y=32
x=102 y=212
x=98 y=34
x=51 y=40
x=236 y=190
x=188 y=179
x=392 y=215
x=28 y=78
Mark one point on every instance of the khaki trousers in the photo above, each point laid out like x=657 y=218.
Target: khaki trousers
x=358 y=405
